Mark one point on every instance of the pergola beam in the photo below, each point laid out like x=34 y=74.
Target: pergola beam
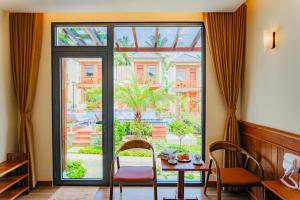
x=177 y=37
x=93 y=35
x=156 y=37
x=134 y=37
x=166 y=49
x=78 y=41
x=197 y=37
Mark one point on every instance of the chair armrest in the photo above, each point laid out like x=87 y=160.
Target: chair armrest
x=261 y=171
x=112 y=169
x=214 y=160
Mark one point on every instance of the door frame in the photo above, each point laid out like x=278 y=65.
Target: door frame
x=107 y=95
x=107 y=109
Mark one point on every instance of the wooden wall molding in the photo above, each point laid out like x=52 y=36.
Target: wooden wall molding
x=268 y=146
x=278 y=137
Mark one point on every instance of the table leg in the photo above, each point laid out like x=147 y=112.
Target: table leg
x=180 y=185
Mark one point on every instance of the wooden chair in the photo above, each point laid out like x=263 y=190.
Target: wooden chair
x=133 y=174
x=232 y=176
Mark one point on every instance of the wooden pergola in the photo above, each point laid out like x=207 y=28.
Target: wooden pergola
x=174 y=47
x=85 y=36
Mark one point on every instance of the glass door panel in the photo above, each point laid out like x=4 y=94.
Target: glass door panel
x=81 y=118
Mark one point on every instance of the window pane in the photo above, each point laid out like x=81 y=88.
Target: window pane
x=180 y=75
x=81 y=118
x=157 y=93
x=81 y=36
x=151 y=70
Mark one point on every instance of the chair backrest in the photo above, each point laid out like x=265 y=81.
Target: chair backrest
x=134 y=144
x=227 y=146
x=222 y=145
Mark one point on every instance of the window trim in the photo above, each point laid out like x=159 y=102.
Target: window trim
x=108 y=86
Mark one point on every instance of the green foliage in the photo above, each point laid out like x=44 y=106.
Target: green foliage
x=90 y=150
x=64 y=38
x=98 y=128
x=161 y=42
x=74 y=169
x=180 y=128
x=136 y=153
x=193 y=121
x=122 y=58
x=94 y=98
x=120 y=130
x=140 y=129
x=141 y=96
x=190 y=176
x=94 y=94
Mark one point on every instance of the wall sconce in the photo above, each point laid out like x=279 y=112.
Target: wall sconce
x=269 y=40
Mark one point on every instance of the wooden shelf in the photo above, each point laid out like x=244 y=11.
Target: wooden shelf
x=13 y=193
x=7 y=182
x=14 y=176
x=280 y=190
x=9 y=166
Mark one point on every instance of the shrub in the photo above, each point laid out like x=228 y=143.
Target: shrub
x=120 y=130
x=74 y=169
x=98 y=128
x=140 y=129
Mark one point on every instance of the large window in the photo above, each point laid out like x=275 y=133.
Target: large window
x=116 y=82
x=159 y=102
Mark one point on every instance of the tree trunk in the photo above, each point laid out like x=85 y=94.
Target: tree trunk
x=138 y=116
x=180 y=141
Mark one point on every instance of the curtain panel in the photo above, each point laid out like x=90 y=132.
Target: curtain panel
x=226 y=34
x=25 y=51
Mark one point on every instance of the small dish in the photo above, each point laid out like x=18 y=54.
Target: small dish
x=172 y=162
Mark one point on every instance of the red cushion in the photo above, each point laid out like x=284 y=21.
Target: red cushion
x=134 y=174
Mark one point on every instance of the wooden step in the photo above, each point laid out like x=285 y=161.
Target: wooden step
x=83 y=137
x=7 y=182
x=9 y=166
x=84 y=133
x=13 y=193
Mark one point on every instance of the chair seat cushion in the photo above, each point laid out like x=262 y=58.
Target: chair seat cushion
x=238 y=176
x=134 y=174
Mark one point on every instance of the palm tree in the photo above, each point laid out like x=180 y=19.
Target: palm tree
x=122 y=58
x=161 y=42
x=139 y=97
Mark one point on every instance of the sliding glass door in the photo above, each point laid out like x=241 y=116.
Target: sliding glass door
x=116 y=82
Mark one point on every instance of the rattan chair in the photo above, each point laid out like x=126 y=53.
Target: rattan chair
x=133 y=174
x=232 y=176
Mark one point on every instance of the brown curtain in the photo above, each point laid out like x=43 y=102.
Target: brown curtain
x=25 y=49
x=226 y=36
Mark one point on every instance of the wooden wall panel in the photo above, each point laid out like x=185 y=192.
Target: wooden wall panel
x=268 y=146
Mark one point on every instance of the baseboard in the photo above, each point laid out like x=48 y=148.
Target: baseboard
x=212 y=184
x=44 y=183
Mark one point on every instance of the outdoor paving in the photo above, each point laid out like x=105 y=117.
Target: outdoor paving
x=93 y=164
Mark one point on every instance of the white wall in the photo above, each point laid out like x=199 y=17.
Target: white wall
x=42 y=114
x=271 y=85
x=8 y=107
